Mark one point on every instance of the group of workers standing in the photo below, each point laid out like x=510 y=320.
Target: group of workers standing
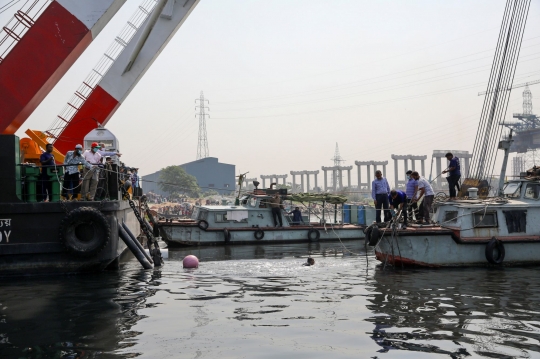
x=417 y=187
x=91 y=183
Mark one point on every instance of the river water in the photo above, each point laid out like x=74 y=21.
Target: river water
x=260 y=302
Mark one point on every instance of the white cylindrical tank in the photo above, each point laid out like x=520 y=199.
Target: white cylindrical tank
x=473 y=192
x=103 y=135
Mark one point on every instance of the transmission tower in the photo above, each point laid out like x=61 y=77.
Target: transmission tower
x=527 y=101
x=336 y=175
x=202 y=146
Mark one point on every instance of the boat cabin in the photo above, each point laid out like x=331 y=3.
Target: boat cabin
x=253 y=210
x=515 y=214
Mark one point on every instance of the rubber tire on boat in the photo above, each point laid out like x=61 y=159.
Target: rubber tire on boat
x=311 y=236
x=492 y=244
x=202 y=224
x=259 y=234
x=85 y=232
x=227 y=235
x=374 y=236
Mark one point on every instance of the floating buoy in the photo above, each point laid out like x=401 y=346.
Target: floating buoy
x=191 y=262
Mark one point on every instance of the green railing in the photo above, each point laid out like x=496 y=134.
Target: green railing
x=32 y=179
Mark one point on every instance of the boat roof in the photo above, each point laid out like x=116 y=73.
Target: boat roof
x=225 y=208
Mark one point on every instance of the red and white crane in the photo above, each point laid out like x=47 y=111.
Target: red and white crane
x=38 y=47
x=123 y=65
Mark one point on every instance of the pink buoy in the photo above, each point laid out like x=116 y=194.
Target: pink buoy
x=191 y=262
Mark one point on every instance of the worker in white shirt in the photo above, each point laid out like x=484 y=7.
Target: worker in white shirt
x=91 y=176
x=425 y=189
x=104 y=153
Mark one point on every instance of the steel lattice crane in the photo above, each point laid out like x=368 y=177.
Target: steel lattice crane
x=39 y=45
x=511 y=88
x=108 y=90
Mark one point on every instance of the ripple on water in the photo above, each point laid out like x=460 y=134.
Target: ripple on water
x=256 y=301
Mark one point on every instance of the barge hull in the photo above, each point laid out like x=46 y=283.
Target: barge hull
x=30 y=243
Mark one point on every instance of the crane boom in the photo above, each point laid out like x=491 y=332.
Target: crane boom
x=49 y=47
x=116 y=84
x=511 y=88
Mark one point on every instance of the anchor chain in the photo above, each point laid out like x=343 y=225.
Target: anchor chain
x=151 y=240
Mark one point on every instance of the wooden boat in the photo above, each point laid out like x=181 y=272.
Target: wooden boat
x=251 y=222
x=472 y=232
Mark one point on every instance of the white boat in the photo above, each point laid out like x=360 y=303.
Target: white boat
x=251 y=222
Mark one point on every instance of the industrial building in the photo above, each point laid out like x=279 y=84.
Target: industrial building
x=209 y=172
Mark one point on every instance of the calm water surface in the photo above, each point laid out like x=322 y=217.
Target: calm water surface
x=259 y=302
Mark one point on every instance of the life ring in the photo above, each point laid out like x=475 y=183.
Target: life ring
x=227 y=235
x=374 y=235
x=493 y=244
x=202 y=224
x=313 y=235
x=85 y=232
x=259 y=234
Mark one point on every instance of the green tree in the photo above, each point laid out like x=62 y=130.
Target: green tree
x=175 y=181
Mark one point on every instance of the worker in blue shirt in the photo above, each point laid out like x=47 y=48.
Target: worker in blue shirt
x=379 y=192
x=398 y=201
x=45 y=185
x=411 y=190
x=297 y=216
x=454 y=171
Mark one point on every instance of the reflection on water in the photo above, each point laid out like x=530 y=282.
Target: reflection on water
x=490 y=313
x=260 y=302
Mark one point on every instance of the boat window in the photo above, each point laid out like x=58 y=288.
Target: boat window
x=203 y=215
x=450 y=216
x=195 y=214
x=221 y=217
x=512 y=189
x=516 y=220
x=263 y=201
x=532 y=190
x=244 y=200
x=487 y=219
x=253 y=202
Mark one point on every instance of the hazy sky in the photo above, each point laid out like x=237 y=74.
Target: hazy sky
x=287 y=79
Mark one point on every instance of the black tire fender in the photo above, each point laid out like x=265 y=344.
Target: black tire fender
x=367 y=232
x=259 y=234
x=227 y=235
x=374 y=236
x=493 y=244
x=85 y=232
x=313 y=235
x=202 y=224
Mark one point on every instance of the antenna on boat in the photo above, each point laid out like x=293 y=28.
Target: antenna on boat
x=241 y=178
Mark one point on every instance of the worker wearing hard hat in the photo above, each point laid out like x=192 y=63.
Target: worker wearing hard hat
x=72 y=160
x=91 y=176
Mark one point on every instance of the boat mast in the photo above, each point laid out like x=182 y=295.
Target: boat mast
x=504 y=145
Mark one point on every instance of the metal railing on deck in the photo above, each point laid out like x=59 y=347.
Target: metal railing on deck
x=19 y=24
